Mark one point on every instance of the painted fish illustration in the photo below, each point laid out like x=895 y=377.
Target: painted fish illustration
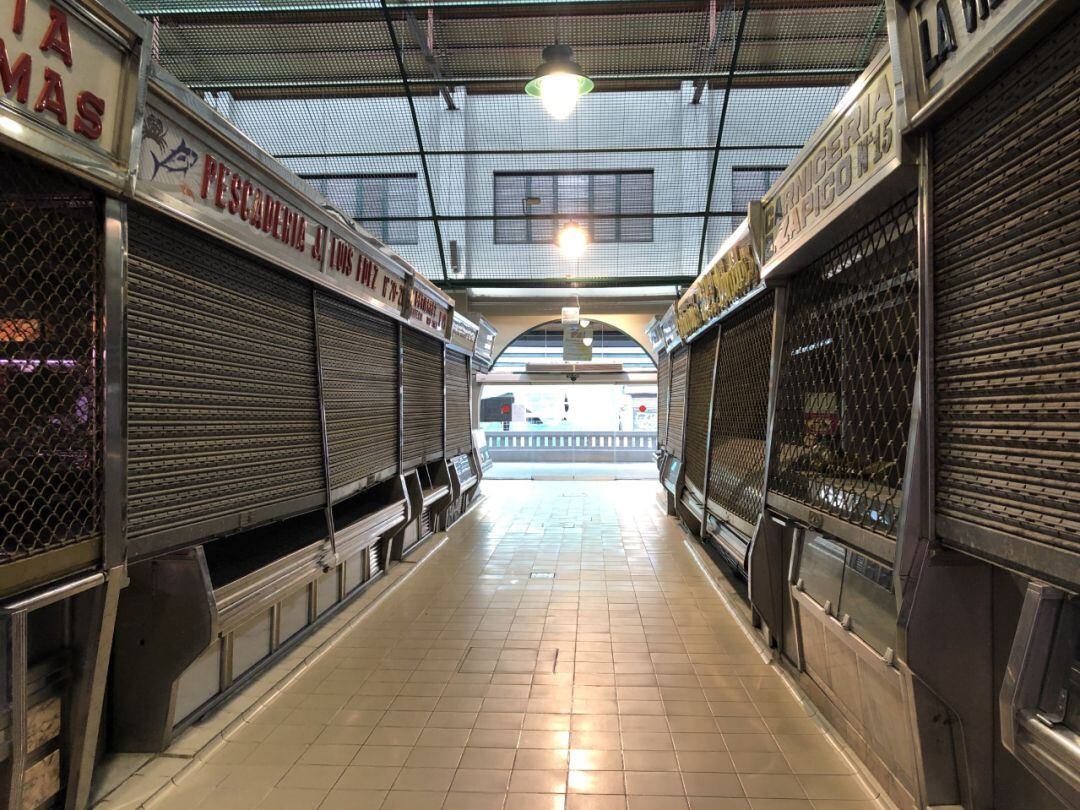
x=178 y=161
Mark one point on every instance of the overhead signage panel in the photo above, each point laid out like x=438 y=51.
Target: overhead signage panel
x=190 y=168
x=732 y=274
x=943 y=44
x=855 y=152
x=463 y=333
x=429 y=309
x=69 y=75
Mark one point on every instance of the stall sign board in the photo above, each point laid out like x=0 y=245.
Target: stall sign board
x=485 y=340
x=463 y=333
x=851 y=153
x=190 y=171
x=731 y=275
x=427 y=310
x=65 y=71
x=355 y=270
x=942 y=44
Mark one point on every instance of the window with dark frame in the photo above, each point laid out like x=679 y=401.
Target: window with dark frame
x=619 y=204
x=385 y=205
x=749 y=183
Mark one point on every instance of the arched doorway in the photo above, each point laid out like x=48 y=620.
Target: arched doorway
x=577 y=402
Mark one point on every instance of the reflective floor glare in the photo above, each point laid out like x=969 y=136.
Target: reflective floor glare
x=620 y=683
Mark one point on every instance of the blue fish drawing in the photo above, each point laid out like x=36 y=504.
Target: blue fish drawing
x=178 y=161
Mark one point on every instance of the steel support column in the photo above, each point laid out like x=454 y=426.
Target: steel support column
x=419 y=138
x=720 y=132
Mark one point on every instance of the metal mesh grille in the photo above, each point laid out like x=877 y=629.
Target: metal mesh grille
x=740 y=412
x=295 y=75
x=663 y=384
x=223 y=413
x=422 y=379
x=458 y=416
x=359 y=355
x=50 y=252
x=1007 y=308
x=698 y=393
x=847 y=375
x=680 y=360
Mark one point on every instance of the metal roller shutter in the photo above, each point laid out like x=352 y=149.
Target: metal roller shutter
x=358 y=352
x=223 y=409
x=1007 y=315
x=847 y=375
x=422 y=380
x=698 y=393
x=677 y=400
x=50 y=311
x=740 y=410
x=458 y=415
x=663 y=384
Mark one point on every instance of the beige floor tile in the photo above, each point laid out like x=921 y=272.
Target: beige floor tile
x=586 y=802
x=653 y=783
x=540 y=781
x=473 y=801
x=772 y=786
x=353 y=800
x=476 y=780
x=413 y=800
x=606 y=782
x=534 y=801
x=367 y=777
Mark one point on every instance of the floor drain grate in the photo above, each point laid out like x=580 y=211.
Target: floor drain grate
x=542 y=575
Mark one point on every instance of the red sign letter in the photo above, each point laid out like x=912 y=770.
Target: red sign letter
x=20 y=17
x=56 y=36
x=20 y=76
x=90 y=108
x=51 y=97
x=209 y=170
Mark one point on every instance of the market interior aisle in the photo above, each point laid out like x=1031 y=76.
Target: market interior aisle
x=562 y=650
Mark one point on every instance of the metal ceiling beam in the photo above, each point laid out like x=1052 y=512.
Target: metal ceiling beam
x=419 y=137
x=422 y=42
x=568 y=283
x=582 y=150
x=720 y=133
x=710 y=51
x=841 y=75
x=583 y=217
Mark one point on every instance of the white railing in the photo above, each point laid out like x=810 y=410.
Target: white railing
x=562 y=446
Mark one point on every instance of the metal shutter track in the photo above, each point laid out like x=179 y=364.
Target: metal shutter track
x=698 y=393
x=422 y=379
x=740 y=412
x=663 y=383
x=677 y=400
x=359 y=355
x=1007 y=315
x=458 y=417
x=223 y=420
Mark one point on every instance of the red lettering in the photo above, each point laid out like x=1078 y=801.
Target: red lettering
x=245 y=195
x=19 y=76
x=257 y=210
x=301 y=235
x=223 y=171
x=209 y=170
x=89 y=109
x=51 y=97
x=56 y=35
x=20 y=17
x=271 y=208
x=317 y=244
x=234 y=193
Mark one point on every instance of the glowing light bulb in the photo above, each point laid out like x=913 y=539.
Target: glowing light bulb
x=559 y=93
x=573 y=240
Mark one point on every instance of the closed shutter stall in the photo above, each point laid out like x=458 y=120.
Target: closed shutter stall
x=677 y=400
x=359 y=356
x=698 y=392
x=740 y=410
x=422 y=379
x=223 y=414
x=847 y=375
x=458 y=417
x=663 y=385
x=1006 y=212
x=51 y=249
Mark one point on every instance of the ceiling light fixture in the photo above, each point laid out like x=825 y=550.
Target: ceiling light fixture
x=559 y=82
x=573 y=240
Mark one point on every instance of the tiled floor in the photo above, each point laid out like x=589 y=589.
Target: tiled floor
x=562 y=651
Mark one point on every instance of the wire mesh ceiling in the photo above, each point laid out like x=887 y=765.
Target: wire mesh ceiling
x=411 y=117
